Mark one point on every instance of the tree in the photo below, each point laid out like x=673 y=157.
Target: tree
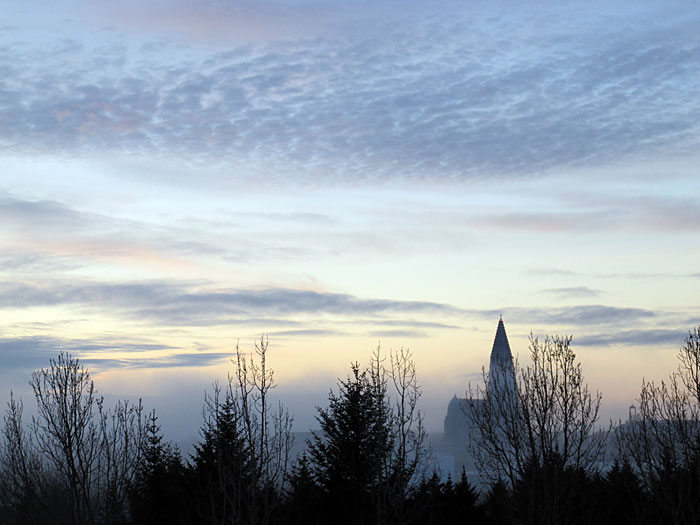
x=303 y=496
x=662 y=443
x=23 y=480
x=222 y=464
x=410 y=434
x=351 y=454
x=433 y=501
x=156 y=493
x=80 y=449
x=539 y=427
x=371 y=447
x=240 y=466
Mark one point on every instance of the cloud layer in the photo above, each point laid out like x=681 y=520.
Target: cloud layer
x=441 y=91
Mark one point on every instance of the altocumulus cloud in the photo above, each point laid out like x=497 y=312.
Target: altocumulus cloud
x=446 y=90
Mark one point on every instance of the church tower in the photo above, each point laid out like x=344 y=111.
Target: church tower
x=501 y=381
x=501 y=386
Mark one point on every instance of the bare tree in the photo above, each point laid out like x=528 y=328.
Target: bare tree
x=89 y=451
x=411 y=448
x=410 y=455
x=537 y=421
x=662 y=442
x=242 y=462
x=267 y=427
x=371 y=446
x=21 y=471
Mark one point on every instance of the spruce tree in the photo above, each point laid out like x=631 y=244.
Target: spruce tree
x=221 y=474
x=156 y=494
x=351 y=455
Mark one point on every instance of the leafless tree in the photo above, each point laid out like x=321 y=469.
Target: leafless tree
x=411 y=448
x=267 y=427
x=537 y=419
x=662 y=442
x=397 y=393
x=91 y=452
x=21 y=471
x=250 y=440
x=411 y=451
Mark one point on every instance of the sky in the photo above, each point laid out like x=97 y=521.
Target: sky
x=178 y=177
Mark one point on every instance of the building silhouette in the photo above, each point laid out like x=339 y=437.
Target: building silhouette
x=459 y=430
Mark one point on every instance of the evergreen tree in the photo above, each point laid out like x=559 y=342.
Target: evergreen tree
x=156 y=494
x=497 y=504
x=622 y=498
x=303 y=495
x=352 y=454
x=221 y=477
x=434 y=502
x=464 y=508
x=425 y=501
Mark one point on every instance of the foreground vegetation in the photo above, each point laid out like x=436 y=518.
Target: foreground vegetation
x=80 y=462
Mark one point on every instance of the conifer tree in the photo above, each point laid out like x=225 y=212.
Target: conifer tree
x=303 y=495
x=352 y=452
x=221 y=472
x=156 y=494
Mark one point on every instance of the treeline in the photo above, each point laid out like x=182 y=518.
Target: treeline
x=534 y=435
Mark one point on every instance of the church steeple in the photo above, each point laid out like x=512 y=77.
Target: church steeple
x=501 y=349
x=501 y=372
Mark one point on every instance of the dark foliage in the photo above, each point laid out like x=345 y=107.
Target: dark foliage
x=355 y=471
x=157 y=494
x=553 y=493
x=351 y=455
x=435 y=502
x=304 y=498
x=622 y=499
x=221 y=479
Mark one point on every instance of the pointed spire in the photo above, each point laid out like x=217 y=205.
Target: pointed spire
x=501 y=371
x=501 y=349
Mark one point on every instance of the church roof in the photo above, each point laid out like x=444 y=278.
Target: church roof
x=501 y=348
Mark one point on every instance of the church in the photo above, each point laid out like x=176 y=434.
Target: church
x=453 y=450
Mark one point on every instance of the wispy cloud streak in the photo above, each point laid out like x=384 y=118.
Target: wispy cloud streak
x=173 y=303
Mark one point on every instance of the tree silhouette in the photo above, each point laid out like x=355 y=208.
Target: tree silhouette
x=240 y=466
x=75 y=451
x=157 y=493
x=662 y=443
x=538 y=433
x=303 y=499
x=221 y=473
x=352 y=453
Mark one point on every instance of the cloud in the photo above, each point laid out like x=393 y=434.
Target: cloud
x=48 y=233
x=560 y=272
x=408 y=334
x=215 y=22
x=28 y=353
x=571 y=315
x=655 y=337
x=179 y=304
x=573 y=292
x=409 y=323
x=31 y=353
x=557 y=272
x=435 y=93
x=311 y=332
x=192 y=359
x=548 y=222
